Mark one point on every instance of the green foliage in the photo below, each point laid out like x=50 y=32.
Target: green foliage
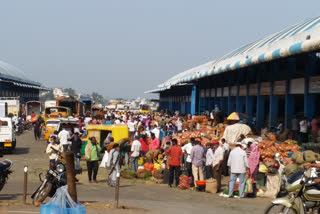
x=48 y=96
x=71 y=92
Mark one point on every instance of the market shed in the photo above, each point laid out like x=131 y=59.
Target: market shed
x=270 y=79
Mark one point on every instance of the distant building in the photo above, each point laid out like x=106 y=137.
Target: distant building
x=59 y=92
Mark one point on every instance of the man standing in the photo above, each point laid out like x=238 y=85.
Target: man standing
x=179 y=126
x=187 y=151
x=304 y=130
x=156 y=131
x=238 y=164
x=76 y=149
x=175 y=162
x=295 y=128
x=197 y=155
x=217 y=160
x=155 y=143
x=132 y=129
x=92 y=156
x=314 y=126
x=209 y=160
x=114 y=165
x=135 y=153
x=64 y=136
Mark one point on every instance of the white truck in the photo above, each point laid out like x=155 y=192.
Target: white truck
x=7 y=135
x=13 y=104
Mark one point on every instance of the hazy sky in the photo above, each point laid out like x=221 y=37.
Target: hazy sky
x=123 y=48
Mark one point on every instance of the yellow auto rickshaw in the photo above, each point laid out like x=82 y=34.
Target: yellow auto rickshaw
x=51 y=127
x=56 y=113
x=101 y=132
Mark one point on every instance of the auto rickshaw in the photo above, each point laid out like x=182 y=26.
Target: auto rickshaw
x=51 y=127
x=100 y=132
x=57 y=112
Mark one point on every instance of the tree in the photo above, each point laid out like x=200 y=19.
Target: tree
x=98 y=98
x=47 y=96
x=71 y=92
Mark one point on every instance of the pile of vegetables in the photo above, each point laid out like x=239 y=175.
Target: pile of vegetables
x=205 y=136
x=268 y=149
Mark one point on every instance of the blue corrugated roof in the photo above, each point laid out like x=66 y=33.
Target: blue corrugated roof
x=300 y=38
x=11 y=73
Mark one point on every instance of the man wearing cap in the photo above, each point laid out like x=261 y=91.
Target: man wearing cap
x=238 y=164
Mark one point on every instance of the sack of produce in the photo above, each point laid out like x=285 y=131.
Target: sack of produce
x=184 y=182
x=143 y=174
x=158 y=174
x=290 y=169
x=310 y=156
x=211 y=186
x=128 y=174
x=295 y=156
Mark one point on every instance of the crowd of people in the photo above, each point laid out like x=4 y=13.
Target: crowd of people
x=152 y=137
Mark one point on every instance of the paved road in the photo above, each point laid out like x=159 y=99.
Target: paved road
x=140 y=198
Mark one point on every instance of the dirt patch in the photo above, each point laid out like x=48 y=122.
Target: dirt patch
x=111 y=207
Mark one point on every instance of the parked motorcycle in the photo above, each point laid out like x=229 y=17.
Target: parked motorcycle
x=53 y=180
x=303 y=197
x=4 y=172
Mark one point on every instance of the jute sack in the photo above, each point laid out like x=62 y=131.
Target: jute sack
x=211 y=186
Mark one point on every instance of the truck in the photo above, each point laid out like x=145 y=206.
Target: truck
x=7 y=135
x=75 y=105
x=50 y=103
x=3 y=110
x=13 y=104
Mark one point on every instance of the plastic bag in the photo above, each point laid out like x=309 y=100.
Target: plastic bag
x=184 y=182
x=263 y=168
x=248 y=188
x=62 y=203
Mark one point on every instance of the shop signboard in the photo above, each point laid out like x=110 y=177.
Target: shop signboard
x=234 y=90
x=213 y=92
x=314 y=84
x=219 y=92
x=279 y=87
x=243 y=90
x=226 y=91
x=202 y=92
x=208 y=92
x=265 y=88
x=297 y=86
x=253 y=89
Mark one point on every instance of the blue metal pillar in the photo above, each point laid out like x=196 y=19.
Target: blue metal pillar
x=309 y=100
x=274 y=100
x=170 y=104
x=260 y=99
x=193 y=99
x=249 y=106
x=230 y=102
x=289 y=101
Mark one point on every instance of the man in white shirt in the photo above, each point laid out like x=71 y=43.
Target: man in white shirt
x=304 y=130
x=186 y=149
x=156 y=131
x=64 y=136
x=217 y=163
x=179 y=126
x=238 y=164
x=209 y=160
x=135 y=153
x=132 y=128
